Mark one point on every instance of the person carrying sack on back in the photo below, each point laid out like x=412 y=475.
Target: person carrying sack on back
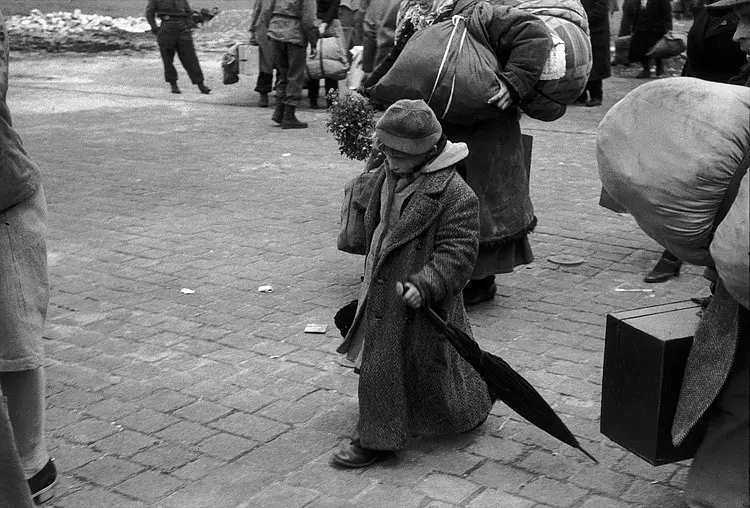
x=422 y=227
x=174 y=36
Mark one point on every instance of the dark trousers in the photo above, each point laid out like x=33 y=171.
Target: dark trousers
x=313 y=87
x=290 y=61
x=175 y=37
x=594 y=87
x=264 y=84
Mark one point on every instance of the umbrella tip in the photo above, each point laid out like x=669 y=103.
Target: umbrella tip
x=587 y=454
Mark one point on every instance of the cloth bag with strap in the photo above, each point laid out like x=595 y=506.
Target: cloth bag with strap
x=329 y=59
x=357 y=192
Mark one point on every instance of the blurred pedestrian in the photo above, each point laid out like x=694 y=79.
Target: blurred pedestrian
x=327 y=12
x=291 y=28
x=259 y=38
x=711 y=55
x=423 y=223
x=653 y=19
x=378 y=32
x=174 y=35
x=597 y=12
x=24 y=295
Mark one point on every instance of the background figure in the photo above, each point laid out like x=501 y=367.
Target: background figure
x=629 y=9
x=24 y=296
x=291 y=27
x=378 y=29
x=711 y=55
x=327 y=11
x=259 y=37
x=174 y=35
x=653 y=19
x=351 y=16
x=598 y=14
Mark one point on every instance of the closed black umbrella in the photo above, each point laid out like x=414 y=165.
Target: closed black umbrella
x=507 y=385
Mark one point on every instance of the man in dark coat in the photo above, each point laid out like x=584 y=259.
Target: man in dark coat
x=598 y=14
x=174 y=36
x=653 y=19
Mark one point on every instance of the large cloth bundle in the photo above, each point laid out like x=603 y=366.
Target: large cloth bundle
x=668 y=151
x=567 y=22
x=330 y=58
x=451 y=66
x=730 y=247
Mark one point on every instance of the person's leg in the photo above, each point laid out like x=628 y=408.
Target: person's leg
x=351 y=453
x=646 y=71
x=596 y=92
x=296 y=79
x=480 y=290
x=667 y=267
x=189 y=59
x=167 y=47
x=331 y=84
x=719 y=475
x=263 y=86
x=313 y=92
x=14 y=490
x=25 y=395
x=282 y=78
x=659 y=67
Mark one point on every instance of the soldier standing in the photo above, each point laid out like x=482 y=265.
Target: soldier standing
x=174 y=36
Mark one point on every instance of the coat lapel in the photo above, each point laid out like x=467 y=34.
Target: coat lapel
x=421 y=212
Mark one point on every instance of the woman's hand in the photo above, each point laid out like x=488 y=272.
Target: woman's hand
x=322 y=29
x=410 y=295
x=501 y=99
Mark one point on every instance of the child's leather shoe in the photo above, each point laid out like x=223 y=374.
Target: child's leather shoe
x=352 y=455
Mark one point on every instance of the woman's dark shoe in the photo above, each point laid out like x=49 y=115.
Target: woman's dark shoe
x=204 y=89
x=42 y=484
x=354 y=456
x=173 y=86
x=481 y=290
x=594 y=103
x=664 y=270
x=263 y=100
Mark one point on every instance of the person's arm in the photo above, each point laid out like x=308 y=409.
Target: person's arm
x=307 y=19
x=456 y=247
x=151 y=15
x=522 y=44
x=369 y=39
x=667 y=13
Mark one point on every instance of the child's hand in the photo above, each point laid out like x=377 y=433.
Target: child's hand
x=410 y=294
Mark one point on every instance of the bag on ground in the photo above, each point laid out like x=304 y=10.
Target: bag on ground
x=668 y=151
x=230 y=66
x=622 y=50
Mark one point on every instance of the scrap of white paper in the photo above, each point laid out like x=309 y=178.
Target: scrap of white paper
x=265 y=289
x=186 y=291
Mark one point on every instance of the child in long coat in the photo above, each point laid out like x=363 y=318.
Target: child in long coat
x=422 y=226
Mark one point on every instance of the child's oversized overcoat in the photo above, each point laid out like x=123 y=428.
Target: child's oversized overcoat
x=412 y=382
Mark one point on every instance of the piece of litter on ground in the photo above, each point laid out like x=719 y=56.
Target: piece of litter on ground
x=186 y=291
x=265 y=289
x=634 y=290
x=566 y=259
x=316 y=328
x=285 y=154
x=274 y=357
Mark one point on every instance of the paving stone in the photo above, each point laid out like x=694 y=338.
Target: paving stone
x=165 y=400
x=202 y=411
x=98 y=497
x=166 y=456
x=252 y=427
x=150 y=486
x=282 y=495
x=492 y=498
x=186 y=432
x=604 y=502
x=148 y=421
x=108 y=471
x=553 y=492
x=225 y=446
x=447 y=488
x=501 y=477
x=88 y=431
x=124 y=443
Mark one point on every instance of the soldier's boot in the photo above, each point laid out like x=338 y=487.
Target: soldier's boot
x=290 y=120
x=278 y=113
x=203 y=88
x=174 y=87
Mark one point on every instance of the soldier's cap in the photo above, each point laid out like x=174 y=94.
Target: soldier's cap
x=726 y=4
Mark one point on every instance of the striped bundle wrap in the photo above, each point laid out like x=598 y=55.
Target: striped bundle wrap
x=568 y=25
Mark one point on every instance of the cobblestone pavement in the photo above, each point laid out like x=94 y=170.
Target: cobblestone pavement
x=218 y=398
